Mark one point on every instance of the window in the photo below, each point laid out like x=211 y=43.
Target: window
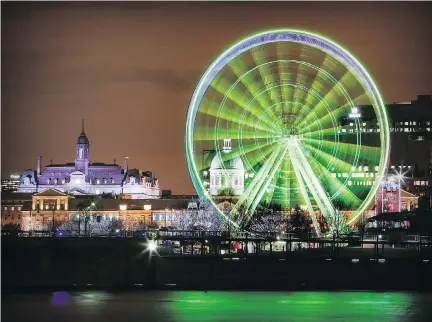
x=5 y=208
x=12 y=208
x=19 y=208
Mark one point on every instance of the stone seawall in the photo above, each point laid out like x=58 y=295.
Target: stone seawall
x=122 y=263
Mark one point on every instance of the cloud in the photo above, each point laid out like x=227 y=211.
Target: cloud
x=163 y=77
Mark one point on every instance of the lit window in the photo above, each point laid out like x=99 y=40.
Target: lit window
x=343 y=130
x=147 y=207
x=19 y=208
x=406 y=123
x=97 y=181
x=12 y=208
x=97 y=191
x=5 y=208
x=351 y=124
x=414 y=123
x=364 y=124
x=123 y=207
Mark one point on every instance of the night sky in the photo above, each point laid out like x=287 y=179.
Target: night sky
x=130 y=69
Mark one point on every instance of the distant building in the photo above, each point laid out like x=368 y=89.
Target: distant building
x=83 y=177
x=410 y=126
x=11 y=183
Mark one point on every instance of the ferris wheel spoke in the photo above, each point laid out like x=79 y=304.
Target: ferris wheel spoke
x=205 y=133
x=214 y=109
x=365 y=153
x=317 y=84
x=254 y=89
x=267 y=76
x=337 y=111
x=336 y=187
x=324 y=158
x=285 y=79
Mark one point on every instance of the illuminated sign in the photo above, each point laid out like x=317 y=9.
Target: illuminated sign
x=354 y=113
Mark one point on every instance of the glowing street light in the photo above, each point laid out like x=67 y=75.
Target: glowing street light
x=151 y=246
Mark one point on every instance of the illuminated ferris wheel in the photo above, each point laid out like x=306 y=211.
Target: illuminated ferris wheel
x=278 y=118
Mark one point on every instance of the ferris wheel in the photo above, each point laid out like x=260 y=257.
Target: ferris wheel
x=291 y=118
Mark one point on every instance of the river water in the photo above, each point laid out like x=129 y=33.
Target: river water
x=215 y=306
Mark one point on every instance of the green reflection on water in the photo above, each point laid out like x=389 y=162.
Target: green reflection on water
x=283 y=306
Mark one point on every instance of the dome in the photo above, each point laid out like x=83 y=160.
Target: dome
x=82 y=139
x=235 y=163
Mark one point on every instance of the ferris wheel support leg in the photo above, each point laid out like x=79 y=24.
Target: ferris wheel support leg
x=253 y=189
x=265 y=185
x=312 y=181
x=306 y=198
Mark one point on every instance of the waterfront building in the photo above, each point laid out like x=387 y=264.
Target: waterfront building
x=84 y=177
x=52 y=207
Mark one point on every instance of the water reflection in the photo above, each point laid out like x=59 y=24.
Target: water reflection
x=295 y=306
x=194 y=306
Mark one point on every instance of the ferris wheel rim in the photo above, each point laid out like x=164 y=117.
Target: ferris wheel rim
x=299 y=36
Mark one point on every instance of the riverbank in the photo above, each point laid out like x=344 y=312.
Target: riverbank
x=77 y=264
